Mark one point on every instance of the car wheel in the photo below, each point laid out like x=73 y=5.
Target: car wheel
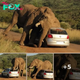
x=65 y=46
x=2 y=75
x=7 y=75
x=44 y=43
x=17 y=77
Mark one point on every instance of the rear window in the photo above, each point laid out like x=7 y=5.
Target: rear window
x=75 y=70
x=57 y=31
x=48 y=71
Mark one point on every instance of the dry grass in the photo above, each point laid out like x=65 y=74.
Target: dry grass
x=4 y=25
x=1 y=70
x=24 y=73
x=9 y=46
x=74 y=36
x=28 y=78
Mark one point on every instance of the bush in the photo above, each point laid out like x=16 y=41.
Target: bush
x=65 y=25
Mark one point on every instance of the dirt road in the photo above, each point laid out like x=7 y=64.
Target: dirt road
x=41 y=79
x=73 y=48
x=20 y=78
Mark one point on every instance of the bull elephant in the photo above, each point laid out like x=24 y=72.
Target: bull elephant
x=62 y=60
x=31 y=17
x=19 y=63
x=20 y=18
x=39 y=65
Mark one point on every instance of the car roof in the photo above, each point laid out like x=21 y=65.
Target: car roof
x=57 y=28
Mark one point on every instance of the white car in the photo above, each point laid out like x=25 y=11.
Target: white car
x=55 y=37
x=74 y=74
x=45 y=74
x=10 y=73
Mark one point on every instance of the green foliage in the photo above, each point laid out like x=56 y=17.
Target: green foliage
x=5 y=59
x=65 y=25
x=42 y=57
x=78 y=25
x=65 y=10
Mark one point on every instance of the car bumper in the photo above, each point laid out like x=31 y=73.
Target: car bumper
x=57 y=43
x=47 y=76
x=13 y=75
x=74 y=77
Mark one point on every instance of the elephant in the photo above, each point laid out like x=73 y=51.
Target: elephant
x=31 y=17
x=39 y=65
x=62 y=60
x=19 y=63
x=20 y=18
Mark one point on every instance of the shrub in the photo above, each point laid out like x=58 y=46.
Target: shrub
x=65 y=25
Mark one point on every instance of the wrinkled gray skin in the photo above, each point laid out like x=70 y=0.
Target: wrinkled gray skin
x=32 y=16
x=61 y=60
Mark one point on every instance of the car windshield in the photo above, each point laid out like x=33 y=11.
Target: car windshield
x=57 y=31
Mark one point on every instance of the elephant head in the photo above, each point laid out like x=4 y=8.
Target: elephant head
x=15 y=63
x=36 y=63
x=66 y=62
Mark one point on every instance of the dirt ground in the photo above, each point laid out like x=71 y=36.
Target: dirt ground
x=71 y=49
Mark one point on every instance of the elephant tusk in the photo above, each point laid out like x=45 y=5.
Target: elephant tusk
x=30 y=67
x=37 y=24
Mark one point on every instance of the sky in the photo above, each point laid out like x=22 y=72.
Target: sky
x=31 y=54
x=1 y=53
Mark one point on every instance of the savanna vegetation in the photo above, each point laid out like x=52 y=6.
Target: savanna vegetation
x=42 y=57
x=5 y=59
x=67 y=11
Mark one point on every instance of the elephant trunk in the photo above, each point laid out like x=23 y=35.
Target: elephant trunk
x=29 y=72
x=66 y=75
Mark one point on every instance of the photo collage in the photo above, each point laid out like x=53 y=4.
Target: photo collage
x=39 y=40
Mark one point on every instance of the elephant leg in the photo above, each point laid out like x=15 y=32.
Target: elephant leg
x=24 y=34
x=14 y=21
x=66 y=75
x=33 y=36
x=26 y=39
x=36 y=73
x=22 y=73
x=43 y=35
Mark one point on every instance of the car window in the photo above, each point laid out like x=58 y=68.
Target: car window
x=48 y=71
x=76 y=70
x=6 y=70
x=57 y=31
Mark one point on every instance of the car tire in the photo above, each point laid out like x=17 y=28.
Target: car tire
x=65 y=46
x=17 y=77
x=44 y=43
x=2 y=75
x=7 y=75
